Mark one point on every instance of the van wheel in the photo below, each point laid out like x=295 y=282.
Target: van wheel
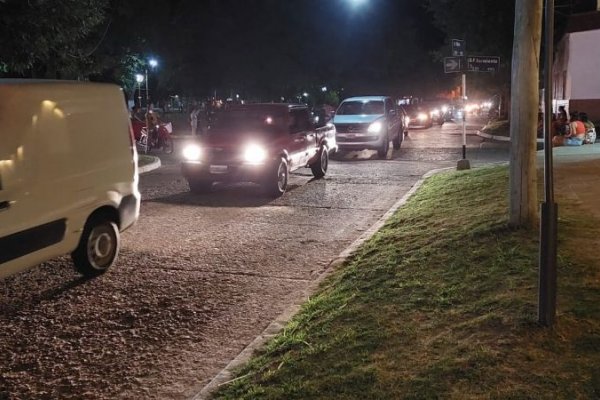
x=397 y=142
x=277 y=180
x=383 y=150
x=200 y=186
x=98 y=247
x=319 y=168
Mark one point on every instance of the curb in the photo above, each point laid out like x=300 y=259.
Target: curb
x=501 y=138
x=150 y=167
x=226 y=374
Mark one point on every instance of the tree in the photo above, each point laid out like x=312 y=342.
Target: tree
x=51 y=39
x=524 y=111
x=487 y=28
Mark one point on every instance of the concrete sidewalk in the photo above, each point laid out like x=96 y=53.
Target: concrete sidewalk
x=577 y=175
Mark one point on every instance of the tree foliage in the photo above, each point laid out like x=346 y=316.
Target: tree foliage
x=488 y=29
x=43 y=38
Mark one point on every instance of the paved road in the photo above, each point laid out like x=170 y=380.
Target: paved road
x=199 y=276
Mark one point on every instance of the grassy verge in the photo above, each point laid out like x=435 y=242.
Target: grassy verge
x=441 y=303
x=144 y=160
x=497 y=128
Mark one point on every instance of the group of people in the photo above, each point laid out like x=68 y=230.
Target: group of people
x=572 y=130
x=200 y=116
x=138 y=115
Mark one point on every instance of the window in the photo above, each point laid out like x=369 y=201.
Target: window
x=299 y=120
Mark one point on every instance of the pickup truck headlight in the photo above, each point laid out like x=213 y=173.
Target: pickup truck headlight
x=254 y=154
x=375 y=127
x=192 y=152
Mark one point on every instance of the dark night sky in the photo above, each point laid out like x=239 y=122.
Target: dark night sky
x=271 y=47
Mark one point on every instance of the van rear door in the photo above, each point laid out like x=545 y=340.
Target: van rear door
x=22 y=232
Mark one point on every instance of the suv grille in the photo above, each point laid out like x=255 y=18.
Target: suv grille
x=222 y=155
x=351 y=128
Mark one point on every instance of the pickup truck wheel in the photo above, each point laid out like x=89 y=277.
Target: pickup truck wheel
x=277 y=180
x=200 y=186
x=319 y=168
x=383 y=150
x=98 y=247
x=397 y=142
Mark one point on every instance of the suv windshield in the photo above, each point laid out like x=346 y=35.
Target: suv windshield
x=245 y=120
x=413 y=108
x=372 y=107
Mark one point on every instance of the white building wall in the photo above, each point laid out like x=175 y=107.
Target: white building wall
x=583 y=78
x=561 y=84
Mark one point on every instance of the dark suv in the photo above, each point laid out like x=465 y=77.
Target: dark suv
x=259 y=143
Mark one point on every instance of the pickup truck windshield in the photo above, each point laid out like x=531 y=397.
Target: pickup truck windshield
x=245 y=120
x=361 y=108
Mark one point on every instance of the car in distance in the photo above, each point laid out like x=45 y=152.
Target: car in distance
x=259 y=143
x=368 y=122
x=68 y=174
x=418 y=116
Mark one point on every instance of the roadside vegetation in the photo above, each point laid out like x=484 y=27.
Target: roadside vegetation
x=442 y=303
x=144 y=160
x=497 y=128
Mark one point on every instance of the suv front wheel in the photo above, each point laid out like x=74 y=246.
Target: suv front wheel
x=383 y=150
x=397 y=142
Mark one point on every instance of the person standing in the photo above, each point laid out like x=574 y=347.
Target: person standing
x=194 y=119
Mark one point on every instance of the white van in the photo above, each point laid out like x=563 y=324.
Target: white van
x=68 y=174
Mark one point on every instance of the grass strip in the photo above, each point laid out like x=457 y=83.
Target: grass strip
x=497 y=128
x=144 y=160
x=441 y=303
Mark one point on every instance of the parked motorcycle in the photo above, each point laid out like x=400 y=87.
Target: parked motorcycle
x=158 y=138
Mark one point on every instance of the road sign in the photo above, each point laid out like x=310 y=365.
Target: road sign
x=459 y=48
x=483 y=64
x=451 y=64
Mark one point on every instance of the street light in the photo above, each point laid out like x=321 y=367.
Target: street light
x=139 y=78
x=357 y=3
x=153 y=63
x=324 y=89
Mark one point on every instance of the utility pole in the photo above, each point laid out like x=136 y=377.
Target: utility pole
x=549 y=220
x=463 y=163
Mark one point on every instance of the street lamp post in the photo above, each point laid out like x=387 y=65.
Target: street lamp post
x=153 y=63
x=139 y=78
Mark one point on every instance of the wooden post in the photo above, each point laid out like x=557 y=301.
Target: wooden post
x=524 y=111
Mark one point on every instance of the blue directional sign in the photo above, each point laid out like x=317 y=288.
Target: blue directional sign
x=483 y=64
x=451 y=64
x=459 y=48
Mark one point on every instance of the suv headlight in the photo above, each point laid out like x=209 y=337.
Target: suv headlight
x=192 y=152
x=422 y=117
x=375 y=127
x=255 y=154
